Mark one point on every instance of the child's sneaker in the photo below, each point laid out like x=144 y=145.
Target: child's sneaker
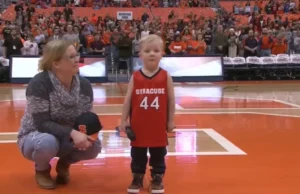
x=137 y=183
x=156 y=184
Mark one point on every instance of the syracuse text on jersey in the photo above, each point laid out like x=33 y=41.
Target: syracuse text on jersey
x=144 y=91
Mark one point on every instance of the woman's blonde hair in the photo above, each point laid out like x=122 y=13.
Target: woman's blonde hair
x=53 y=51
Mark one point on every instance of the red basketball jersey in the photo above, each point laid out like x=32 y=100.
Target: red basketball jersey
x=149 y=109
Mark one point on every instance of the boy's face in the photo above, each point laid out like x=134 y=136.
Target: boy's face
x=151 y=54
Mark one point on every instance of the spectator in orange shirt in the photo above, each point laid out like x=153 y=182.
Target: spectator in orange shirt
x=106 y=36
x=280 y=45
x=201 y=46
x=89 y=39
x=265 y=43
x=94 y=19
x=178 y=46
x=187 y=35
x=196 y=46
x=191 y=45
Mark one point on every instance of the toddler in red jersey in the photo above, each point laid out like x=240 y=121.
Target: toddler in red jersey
x=150 y=106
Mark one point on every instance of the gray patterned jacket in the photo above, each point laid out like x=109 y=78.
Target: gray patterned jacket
x=51 y=109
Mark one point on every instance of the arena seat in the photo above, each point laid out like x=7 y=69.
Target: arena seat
x=227 y=5
x=9 y=14
x=88 y=11
x=164 y=12
x=243 y=19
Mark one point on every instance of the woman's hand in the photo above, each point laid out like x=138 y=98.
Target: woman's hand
x=81 y=140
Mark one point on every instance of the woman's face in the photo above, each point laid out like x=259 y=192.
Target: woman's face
x=68 y=64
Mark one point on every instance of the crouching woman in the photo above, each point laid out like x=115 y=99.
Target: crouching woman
x=55 y=97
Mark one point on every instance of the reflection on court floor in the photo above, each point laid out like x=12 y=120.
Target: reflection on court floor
x=187 y=142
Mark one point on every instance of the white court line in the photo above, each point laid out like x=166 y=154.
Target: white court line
x=244 y=98
x=196 y=83
x=8 y=141
x=175 y=83
x=287 y=103
x=177 y=106
x=226 y=144
x=113 y=131
x=127 y=155
x=215 y=113
x=230 y=147
x=99 y=105
x=211 y=109
x=262 y=99
x=224 y=97
x=108 y=84
x=234 y=97
x=8 y=133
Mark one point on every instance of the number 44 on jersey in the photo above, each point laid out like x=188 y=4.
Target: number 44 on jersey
x=154 y=104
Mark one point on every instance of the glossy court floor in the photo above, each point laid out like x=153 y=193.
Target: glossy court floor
x=231 y=138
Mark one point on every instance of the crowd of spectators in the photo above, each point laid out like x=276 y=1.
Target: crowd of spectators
x=44 y=4
x=271 y=7
x=193 y=34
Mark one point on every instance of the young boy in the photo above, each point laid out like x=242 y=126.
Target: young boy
x=150 y=106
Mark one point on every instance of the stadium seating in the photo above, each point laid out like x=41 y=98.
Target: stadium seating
x=9 y=14
x=277 y=67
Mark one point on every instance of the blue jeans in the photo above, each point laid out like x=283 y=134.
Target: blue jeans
x=265 y=52
x=42 y=147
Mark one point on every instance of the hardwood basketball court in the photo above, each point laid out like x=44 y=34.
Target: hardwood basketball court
x=230 y=138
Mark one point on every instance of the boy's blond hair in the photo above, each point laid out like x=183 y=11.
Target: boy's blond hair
x=149 y=39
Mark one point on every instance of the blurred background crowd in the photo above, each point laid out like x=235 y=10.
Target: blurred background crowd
x=114 y=27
